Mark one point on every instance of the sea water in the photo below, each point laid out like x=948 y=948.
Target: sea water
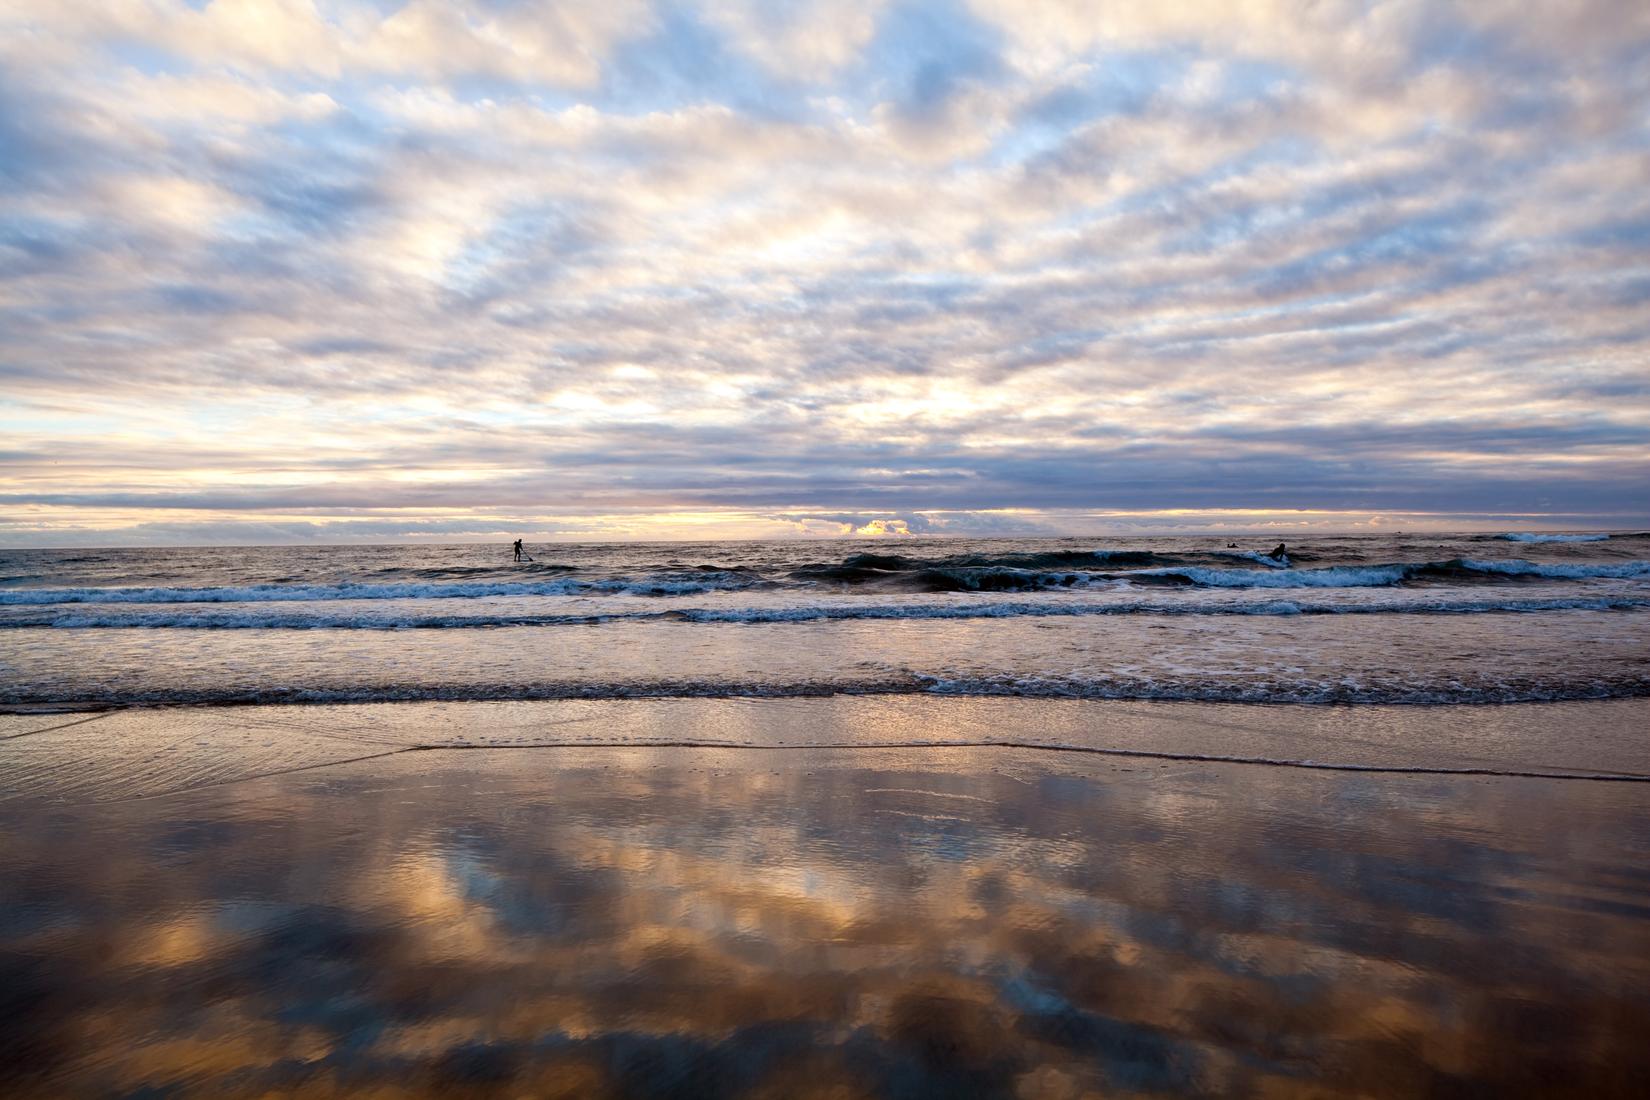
x=1515 y=616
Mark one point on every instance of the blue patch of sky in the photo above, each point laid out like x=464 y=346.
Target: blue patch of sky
x=1526 y=106
x=384 y=8
x=194 y=298
x=1111 y=85
x=1438 y=232
x=1286 y=151
x=1248 y=78
x=1214 y=224
x=1441 y=39
x=1207 y=231
x=1630 y=288
x=903 y=297
x=685 y=63
x=20 y=151
x=544 y=237
x=1053 y=349
x=1631 y=232
x=311 y=176
x=38 y=239
x=919 y=56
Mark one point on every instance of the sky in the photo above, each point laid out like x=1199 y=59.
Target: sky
x=373 y=270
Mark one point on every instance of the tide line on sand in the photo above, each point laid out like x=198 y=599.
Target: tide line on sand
x=1150 y=754
x=816 y=746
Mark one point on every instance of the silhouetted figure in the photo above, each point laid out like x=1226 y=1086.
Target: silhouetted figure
x=1280 y=554
x=518 y=550
x=1231 y=546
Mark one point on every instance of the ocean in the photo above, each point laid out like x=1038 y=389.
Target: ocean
x=1379 y=618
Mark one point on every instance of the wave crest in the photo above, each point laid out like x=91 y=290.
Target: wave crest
x=862 y=570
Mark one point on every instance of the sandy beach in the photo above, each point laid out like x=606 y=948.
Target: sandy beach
x=836 y=897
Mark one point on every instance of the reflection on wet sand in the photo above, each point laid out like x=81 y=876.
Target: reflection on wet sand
x=966 y=922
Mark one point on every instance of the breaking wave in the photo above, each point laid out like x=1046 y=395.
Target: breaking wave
x=1531 y=536
x=1376 y=576
x=1018 y=573
x=867 y=570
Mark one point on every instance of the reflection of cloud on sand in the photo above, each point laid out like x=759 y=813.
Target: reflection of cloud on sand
x=717 y=922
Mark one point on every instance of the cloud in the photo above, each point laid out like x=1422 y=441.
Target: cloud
x=799 y=39
x=885 y=262
x=533 y=42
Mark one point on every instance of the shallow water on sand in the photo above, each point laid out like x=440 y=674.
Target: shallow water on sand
x=895 y=922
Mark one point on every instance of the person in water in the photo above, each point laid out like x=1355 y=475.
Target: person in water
x=1280 y=554
x=518 y=550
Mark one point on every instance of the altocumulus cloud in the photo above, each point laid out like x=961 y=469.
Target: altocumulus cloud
x=283 y=269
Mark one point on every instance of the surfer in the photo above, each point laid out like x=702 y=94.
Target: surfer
x=1280 y=554
x=518 y=550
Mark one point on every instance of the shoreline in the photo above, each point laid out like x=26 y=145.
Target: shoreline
x=101 y=753
x=97 y=707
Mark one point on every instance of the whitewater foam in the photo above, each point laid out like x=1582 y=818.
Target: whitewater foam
x=1257 y=557
x=1516 y=567
x=1378 y=576
x=699 y=583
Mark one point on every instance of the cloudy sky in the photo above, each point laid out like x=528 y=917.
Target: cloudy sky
x=335 y=270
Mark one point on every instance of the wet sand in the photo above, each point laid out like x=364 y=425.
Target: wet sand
x=844 y=897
